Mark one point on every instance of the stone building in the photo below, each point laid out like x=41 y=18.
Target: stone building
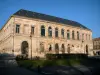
x=96 y=46
x=36 y=34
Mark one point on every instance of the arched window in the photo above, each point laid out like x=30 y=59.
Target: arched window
x=50 y=48
x=56 y=32
x=56 y=48
x=73 y=36
x=63 y=48
x=68 y=34
x=62 y=33
x=77 y=35
x=50 y=32
x=42 y=30
x=68 y=48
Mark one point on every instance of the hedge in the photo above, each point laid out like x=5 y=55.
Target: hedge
x=65 y=56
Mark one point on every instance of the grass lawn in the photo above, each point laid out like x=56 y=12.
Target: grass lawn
x=42 y=63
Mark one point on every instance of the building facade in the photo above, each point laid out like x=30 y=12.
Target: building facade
x=96 y=46
x=36 y=34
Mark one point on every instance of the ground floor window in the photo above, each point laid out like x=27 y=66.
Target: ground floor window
x=50 y=48
x=41 y=47
x=56 y=48
x=63 y=48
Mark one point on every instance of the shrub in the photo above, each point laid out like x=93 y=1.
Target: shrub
x=65 y=56
x=36 y=58
x=21 y=57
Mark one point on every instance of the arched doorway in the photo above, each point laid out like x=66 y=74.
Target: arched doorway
x=63 y=49
x=24 y=48
x=86 y=49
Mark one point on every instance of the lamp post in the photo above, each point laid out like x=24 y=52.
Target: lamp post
x=31 y=44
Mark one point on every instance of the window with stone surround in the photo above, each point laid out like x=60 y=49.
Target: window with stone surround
x=57 y=48
x=50 y=47
x=17 y=28
x=32 y=30
x=62 y=33
x=42 y=30
x=63 y=48
x=73 y=35
x=56 y=32
x=50 y=32
x=77 y=35
x=68 y=34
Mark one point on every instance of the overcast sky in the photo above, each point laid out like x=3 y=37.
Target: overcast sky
x=86 y=12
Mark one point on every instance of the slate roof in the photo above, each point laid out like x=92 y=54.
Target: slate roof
x=31 y=14
x=96 y=39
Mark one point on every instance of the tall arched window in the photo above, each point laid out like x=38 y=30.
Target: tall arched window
x=50 y=32
x=62 y=33
x=68 y=34
x=77 y=35
x=56 y=32
x=68 y=48
x=56 y=48
x=50 y=47
x=73 y=36
x=42 y=30
x=63 y=48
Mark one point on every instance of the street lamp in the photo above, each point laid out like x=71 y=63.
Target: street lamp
x=31 y=43
x=31 y=33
